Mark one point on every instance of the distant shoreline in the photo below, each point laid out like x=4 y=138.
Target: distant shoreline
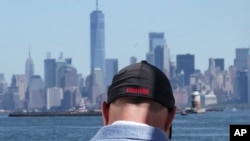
x=36 y=114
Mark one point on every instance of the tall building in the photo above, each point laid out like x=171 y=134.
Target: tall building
x=219 y=63
x=20 y=81
x=53 y=97
x=159 y=57
x=156 y=39
x=3 y=84
x=166 y=60
x=111 y=70
x=97 y=40
x=248 y=77
x=49 y=72
x=185 y=63
x=11 y=99
x=61 y=66
x=36 y=93
x=2 y=78
x=158 y=54
x=242 y=85
x=71 y=97
x=150 y=57
x=29 y=68
x=132 y=60
x=67 y=76
x=95 y=85
x=241 y=58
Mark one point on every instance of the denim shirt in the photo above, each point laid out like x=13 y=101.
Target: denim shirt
x=129 y=132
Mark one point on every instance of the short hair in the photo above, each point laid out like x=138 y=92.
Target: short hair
x=154 y=106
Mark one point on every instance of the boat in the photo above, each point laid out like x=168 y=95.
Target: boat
x=195 y=110
x=184 y=113
x=234 y=109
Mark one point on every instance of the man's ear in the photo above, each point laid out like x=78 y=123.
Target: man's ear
x=105 y=113
x=169 y=121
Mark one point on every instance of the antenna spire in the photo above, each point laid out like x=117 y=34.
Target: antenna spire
x=29 y=52
x=96 y=5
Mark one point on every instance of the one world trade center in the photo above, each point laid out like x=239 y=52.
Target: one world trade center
x=97 y=40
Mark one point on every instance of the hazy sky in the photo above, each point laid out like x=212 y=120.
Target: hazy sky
x=205 y=28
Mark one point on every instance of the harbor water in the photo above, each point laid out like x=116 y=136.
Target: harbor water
x=209 y=126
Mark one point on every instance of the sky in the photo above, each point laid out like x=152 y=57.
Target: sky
x=205 y=28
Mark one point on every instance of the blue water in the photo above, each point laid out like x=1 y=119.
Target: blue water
x=210 y=126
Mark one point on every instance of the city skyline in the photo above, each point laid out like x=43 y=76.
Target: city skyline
x=53 y=26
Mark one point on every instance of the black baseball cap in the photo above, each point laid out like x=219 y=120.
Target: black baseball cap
x=142 y=80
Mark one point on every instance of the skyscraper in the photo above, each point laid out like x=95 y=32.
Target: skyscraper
x=219 y=63
x=159 y=57
x=97 y=41
x=53 y=97
x=36 y=93
x=240 y=61
x=158 y=54
x=19 y=81
x=111 y=69
x=156 y=39
x=248 y=77
x=185 y=62
x=132 y=60
x=29 y=68
x=49 y=72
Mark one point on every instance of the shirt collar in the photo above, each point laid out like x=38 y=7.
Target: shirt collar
x=124 y=122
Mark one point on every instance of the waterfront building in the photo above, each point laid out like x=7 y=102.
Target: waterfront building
x=20 y=81
x=10 y=99
x=181 y=97
x=3 y=84
x=242 y=86
x=229 y=81
x=71 y=98
x=53 y=97
x=2 y=78
x=36 y=93
x=208 y=99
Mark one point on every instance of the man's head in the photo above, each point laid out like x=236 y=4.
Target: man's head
x=142 y=93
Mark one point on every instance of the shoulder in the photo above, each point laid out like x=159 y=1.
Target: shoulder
x=130 y=132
